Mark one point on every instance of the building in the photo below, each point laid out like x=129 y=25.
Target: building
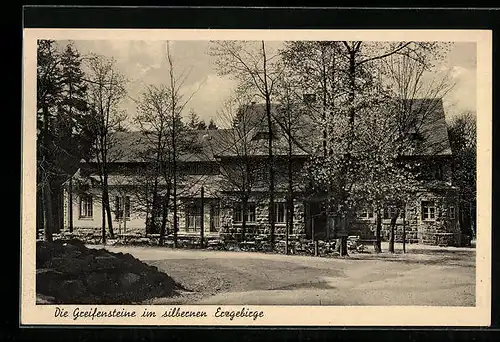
x=224 y=171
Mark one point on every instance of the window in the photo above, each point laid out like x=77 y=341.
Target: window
x=238 y=213
x=86 y=206
x=428 y=210
x=119 y=207
x=452 y=213
x=366 y=214
x=279 y=212
x=389 y=212
x=193 y=218
x=438 y=172
x=214 y=218
x=200 y=168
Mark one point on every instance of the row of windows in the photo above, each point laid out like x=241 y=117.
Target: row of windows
x=279 y=213
x=193 y=218
x=121 y=206
x=429 y=212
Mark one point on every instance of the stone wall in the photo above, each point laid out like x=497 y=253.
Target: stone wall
x=261 y=226
x=441 y=230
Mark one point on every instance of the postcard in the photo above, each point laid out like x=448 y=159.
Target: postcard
x=256 y=177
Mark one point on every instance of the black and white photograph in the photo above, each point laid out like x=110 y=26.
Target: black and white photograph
x=240 y=174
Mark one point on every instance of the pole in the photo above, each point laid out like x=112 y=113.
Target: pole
x=202 y=218
x=125 y=213
x=314 y=237
x=404 y=231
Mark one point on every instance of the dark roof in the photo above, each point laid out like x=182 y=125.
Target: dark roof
x=430 y=124
x=205 y=145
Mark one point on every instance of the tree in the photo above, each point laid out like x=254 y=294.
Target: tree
x=177 y=103
x=106 y=89
x=201 y=126
x=256 y=72
x=193 y=120
x=354 y=92
x=211 y=124
x=292 y=121
x=156 y=124
x=233 y=149
x=462 y=134
x=63 y=137
x=48 y=91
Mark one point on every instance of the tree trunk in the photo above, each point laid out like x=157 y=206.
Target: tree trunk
x=378 y=229
x=163 y=227
x=108 y=209
x=404 y=233
x=124 y=216
x=270 y=148
x=154 y=212
x=289 y=206
x=48 y=212
x=39 y=212
x=343 y=237
x=47 y=198
x=392 y=231
x=103 y=216
x=244 y=218
x=175 y=215
x=70 y=205
x=202 y=218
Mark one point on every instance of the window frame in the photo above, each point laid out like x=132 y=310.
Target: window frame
x=214 y=219
x=193 y=218
x=238 y=211
x=429 y=210
x=451 y=210
x=277 y=206
x=118 y=208
x=88 y=200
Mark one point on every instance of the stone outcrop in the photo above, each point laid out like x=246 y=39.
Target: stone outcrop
x=70 y=273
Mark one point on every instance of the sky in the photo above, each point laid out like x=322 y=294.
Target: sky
x=144 y=62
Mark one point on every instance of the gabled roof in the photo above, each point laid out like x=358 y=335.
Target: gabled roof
x=206 y=145
x=430 y=124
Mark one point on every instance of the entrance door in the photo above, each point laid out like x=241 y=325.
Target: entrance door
x=316 y=221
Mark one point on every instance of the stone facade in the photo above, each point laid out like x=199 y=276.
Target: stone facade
x=441 y=229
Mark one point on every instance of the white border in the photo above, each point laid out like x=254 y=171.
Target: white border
x=274 y=315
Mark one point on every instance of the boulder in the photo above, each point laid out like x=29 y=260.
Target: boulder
x=128 y=279
x=97 y=282
x=68 y=265
x=71 y=291
x=48 y=280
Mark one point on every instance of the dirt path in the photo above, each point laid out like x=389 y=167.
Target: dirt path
x=425 y=276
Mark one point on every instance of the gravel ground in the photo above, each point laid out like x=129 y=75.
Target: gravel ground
x=424 y=276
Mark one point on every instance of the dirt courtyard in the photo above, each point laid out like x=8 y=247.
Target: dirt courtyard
x=425 y=276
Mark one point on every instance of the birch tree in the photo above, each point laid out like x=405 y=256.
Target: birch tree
x=233 y=149
x=106 y=89
x=256 y=71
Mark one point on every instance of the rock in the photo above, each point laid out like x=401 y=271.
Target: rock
x=68 y=265
x=42 y=299
x=97 y=282
x=48 y=281
x=129 y=279
x=74 y=274
x=72 y=291
x=108 y=263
